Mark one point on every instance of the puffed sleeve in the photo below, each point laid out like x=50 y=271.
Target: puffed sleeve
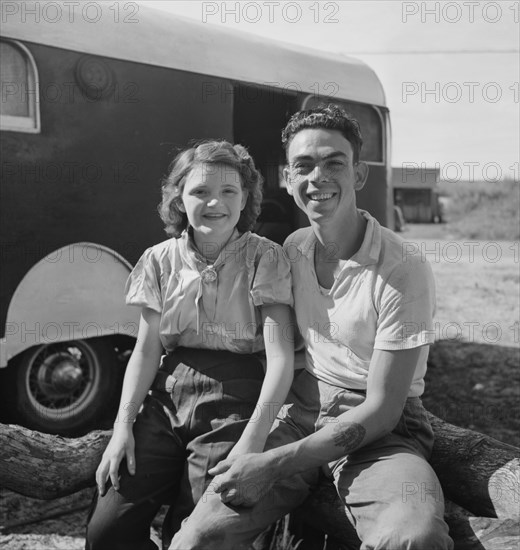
x=143 y=284
x=272 y=280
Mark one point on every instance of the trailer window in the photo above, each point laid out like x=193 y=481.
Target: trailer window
x=370 y=121
x=18 y=80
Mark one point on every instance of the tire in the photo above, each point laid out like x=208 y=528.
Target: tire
x=64 y=388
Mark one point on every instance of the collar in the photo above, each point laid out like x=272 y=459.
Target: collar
x=194 y=258
x=368 y=253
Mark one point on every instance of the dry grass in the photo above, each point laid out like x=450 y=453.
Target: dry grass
x=483 y=210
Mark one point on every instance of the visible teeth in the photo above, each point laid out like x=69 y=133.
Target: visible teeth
x=320 y=196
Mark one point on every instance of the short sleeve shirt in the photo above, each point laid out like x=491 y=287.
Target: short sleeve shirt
x=383 y=298
x=222 y=314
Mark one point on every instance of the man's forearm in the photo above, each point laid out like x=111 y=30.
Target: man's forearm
x=347 y=433
x=388 y=385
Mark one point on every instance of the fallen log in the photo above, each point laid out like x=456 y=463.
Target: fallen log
x=47 y=466
x=476 y=472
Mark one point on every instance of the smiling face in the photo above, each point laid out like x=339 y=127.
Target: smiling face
x=212 y=199
x=321 y=175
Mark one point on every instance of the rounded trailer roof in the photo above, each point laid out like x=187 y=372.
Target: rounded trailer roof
x=167 y=40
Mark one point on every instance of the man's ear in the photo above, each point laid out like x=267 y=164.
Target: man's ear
x=287 y=178
x=361 y=173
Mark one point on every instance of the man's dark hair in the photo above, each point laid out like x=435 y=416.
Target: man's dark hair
x=330 y=117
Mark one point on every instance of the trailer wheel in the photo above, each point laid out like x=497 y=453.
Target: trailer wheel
x=64 y=388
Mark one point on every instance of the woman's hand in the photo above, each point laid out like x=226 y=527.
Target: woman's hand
x=120 y=446
x=139 y=375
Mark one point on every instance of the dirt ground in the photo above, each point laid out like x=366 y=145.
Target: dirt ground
x=473 y=378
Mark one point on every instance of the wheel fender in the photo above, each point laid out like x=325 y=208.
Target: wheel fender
x=74 y=293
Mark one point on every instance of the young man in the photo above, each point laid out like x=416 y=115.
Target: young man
x=364 y=310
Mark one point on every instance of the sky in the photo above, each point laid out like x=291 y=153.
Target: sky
x=450 y=70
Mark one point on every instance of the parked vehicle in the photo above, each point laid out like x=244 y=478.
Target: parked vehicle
x=92 y=113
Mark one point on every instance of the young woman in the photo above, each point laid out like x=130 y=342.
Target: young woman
x=213 y=297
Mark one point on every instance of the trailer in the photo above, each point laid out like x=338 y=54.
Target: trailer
x=95 y=105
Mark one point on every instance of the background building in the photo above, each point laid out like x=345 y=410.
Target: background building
x=416 y=193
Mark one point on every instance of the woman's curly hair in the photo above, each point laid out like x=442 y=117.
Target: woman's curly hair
x=216 y=153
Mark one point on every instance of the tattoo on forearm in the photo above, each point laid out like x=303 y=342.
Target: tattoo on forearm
x=349 y=436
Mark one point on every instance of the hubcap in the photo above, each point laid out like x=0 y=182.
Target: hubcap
x=60 y=374
x=60 y=377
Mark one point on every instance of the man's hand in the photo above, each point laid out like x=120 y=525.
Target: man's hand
x=242 y=480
